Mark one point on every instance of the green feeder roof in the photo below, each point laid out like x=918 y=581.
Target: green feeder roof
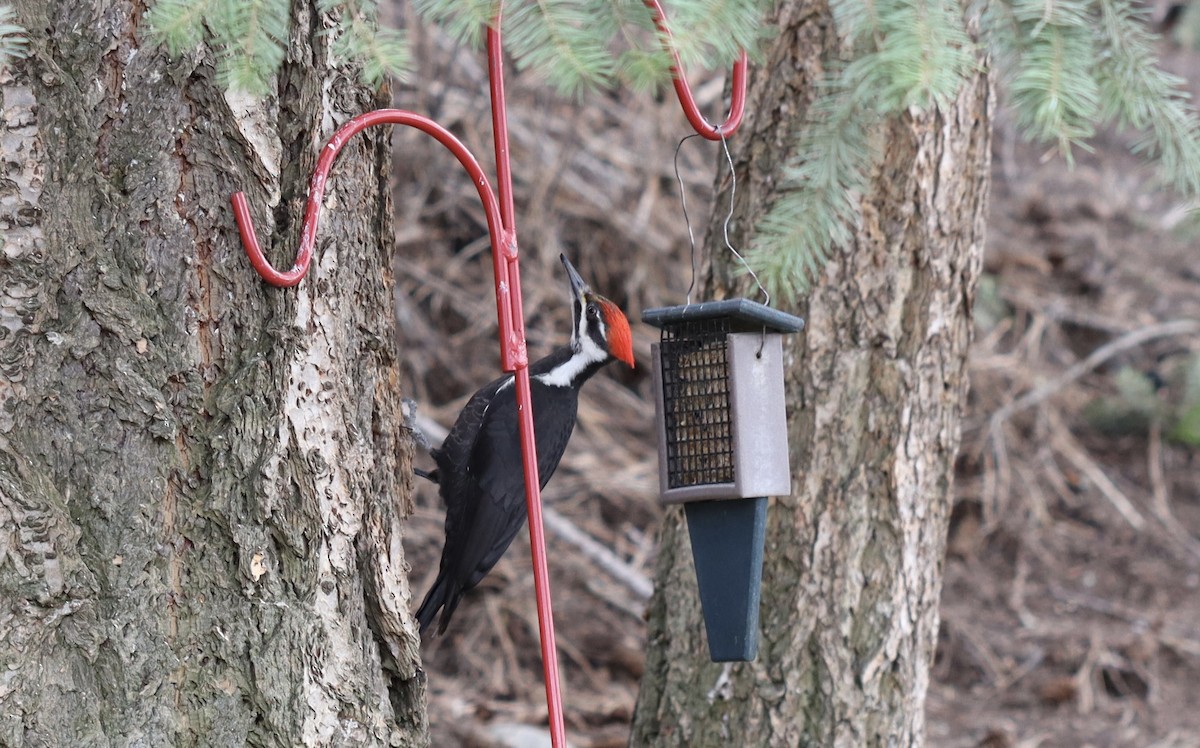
x=742 y=313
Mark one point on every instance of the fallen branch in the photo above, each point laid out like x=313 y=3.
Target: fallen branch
x=600 y=555
x=1066 y=445
x=1097 y=357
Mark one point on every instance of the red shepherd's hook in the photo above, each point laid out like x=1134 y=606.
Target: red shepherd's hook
x=501 y=223
x=316 y=192
x=737 y=105
x=504 y=247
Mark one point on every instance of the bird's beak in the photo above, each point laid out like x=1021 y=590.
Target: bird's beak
x=578 y=287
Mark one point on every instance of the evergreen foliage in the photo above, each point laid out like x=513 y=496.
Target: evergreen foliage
x=901 y=54
x=1065 y=66
x=251 y=37
x=1137 y=93
x=12 y=36
x=383 y=52
x=583 y=44
x=557 y=36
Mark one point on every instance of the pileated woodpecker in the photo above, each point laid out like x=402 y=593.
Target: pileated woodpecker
x=479 y=469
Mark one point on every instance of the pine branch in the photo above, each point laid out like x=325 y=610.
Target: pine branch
x=571 y=42
x=383 y=53
x=465 y=20
x=713 y=33
x=254 y=33
x=1068 y=66
x=554 y=37
x=179 y=23
x=937 y=76
x=909 y=53
x=644 y=69
x=644 y=65
x=1137 y=93
x=858 y=22
x=1053 y=90
x=251 y=37
x=1074 y=64
x=819 y=205
x=358 y=37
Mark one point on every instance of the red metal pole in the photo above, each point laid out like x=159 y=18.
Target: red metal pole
x=513 y=352
x=533 y=492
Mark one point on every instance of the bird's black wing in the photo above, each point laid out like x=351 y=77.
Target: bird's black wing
x=482 y=482
x=493 y=518
x=456 y=479
x=496 y=459
x=478 y=526
x=454 y=454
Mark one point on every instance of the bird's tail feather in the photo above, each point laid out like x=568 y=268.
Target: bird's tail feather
x=442 y=596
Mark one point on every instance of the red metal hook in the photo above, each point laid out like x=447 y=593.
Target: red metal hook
x=512 y=339
x=500 y=217
x=737 y=105
x=316 y=191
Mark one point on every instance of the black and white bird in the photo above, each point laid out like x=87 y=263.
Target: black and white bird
x=479 y=470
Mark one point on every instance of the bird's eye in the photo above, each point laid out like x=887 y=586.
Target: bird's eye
x=593 y=312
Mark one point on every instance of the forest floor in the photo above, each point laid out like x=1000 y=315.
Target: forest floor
x=1071 y=606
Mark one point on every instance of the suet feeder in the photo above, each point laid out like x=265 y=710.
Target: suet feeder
x=722 y=449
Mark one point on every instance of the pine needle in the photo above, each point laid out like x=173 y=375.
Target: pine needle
x=1136 y=92
x=13 y=44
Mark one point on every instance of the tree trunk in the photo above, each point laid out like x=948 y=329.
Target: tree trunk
x=201 y=484
x=876 y=385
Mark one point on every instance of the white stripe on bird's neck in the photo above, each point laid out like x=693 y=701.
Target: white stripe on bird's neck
x=585 y=355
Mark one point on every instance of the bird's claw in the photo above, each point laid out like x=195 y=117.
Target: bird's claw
x=409 y=410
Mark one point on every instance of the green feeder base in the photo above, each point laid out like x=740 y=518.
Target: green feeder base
x=727 y=546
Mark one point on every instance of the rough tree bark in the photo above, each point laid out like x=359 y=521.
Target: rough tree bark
x=201 y=485
x=875 y=387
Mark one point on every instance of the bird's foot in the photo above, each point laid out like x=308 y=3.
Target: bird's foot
x=409 y=408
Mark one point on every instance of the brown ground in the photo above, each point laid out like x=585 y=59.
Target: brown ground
x=1070 y=614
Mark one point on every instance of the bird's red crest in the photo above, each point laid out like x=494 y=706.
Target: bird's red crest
x=620 y=339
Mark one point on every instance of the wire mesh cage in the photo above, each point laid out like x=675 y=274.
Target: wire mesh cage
x=696 y=414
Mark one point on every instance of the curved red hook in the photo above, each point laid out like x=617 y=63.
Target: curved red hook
x=499 y=217
x=512 y=353
x=316 y=191
x=737 y=105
